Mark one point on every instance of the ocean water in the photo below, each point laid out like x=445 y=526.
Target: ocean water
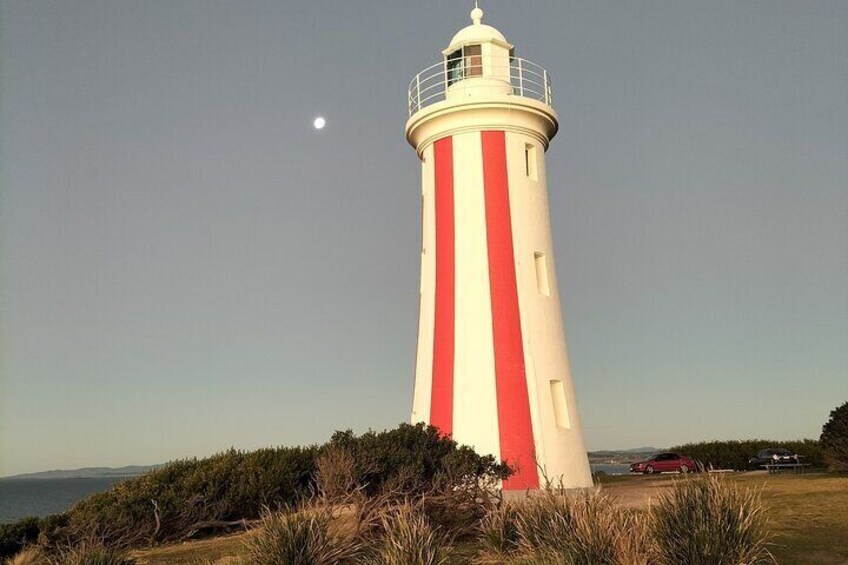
x=611 y=468
x=20 y=498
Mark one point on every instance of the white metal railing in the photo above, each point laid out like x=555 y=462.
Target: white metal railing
x=526 y=78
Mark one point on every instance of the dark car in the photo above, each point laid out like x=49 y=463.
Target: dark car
x=664 y=462
x=773 y=456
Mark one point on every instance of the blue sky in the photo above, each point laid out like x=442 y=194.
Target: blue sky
x=188 y=266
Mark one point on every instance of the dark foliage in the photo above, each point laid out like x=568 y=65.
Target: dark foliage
x=14 y=536
x=411 y=458
x=196 y=497
x=834 y=439
x=735 y=454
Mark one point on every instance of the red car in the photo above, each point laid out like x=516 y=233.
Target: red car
x=664 y=462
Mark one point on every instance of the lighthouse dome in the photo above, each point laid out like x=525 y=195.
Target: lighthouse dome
x=477 y=32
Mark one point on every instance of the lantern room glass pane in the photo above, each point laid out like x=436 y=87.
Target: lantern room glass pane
x=473 y=60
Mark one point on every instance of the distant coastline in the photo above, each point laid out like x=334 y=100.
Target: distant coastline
x=87 y=473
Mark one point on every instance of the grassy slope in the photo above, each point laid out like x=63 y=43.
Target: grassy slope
x=809 y=517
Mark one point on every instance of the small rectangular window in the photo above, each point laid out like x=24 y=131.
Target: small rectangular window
x=454 y=66
x=542 y=274
x=560 y=406
x=530 y=160
x=473 y=60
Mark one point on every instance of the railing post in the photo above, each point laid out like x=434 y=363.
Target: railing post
x=520 y=79
x=445 y=84
x=547 y=87
x=417 y=92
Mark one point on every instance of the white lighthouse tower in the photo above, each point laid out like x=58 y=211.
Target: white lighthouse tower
x=492 y=366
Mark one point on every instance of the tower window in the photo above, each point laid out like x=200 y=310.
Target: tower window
x=473 y=60
x=530 y=160
x=542 y=274
x=464 y=62
x=560 y=406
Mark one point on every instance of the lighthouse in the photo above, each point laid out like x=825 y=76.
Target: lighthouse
x=492 y=366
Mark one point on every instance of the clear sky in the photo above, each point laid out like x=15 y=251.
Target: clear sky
x=187 y=265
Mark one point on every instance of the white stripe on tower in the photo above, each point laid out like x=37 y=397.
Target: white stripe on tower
x=422 y=392
x=475 y=401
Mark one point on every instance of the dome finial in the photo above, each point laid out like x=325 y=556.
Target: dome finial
x=476 y=14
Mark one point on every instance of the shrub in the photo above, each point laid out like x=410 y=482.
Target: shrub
x=197 y=497
x=407 y=538
x=705 y=521
x=14 y=536
x=191 y=497
x=734 y=454
x=301 y=538
x=834 y=439
x=410 y=459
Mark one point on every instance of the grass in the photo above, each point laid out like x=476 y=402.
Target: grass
x=808 y=515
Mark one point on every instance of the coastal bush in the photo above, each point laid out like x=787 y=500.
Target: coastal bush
x=192 y=497
x=16 y=535
x=734 y=454
x=707 y=520
x=834 y=439
x=197 y=497
x=412 y=459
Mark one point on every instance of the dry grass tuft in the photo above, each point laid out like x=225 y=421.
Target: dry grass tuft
x=564 y=528
x=29 y=556
x=92 y=553
x=407 y=538
x=307 y=537
x=708 y=521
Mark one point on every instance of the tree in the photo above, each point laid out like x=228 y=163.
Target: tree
x=834 y=439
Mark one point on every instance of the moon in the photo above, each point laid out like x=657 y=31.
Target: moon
x=319 y=123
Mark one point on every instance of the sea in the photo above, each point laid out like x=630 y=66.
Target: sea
x=20 y=498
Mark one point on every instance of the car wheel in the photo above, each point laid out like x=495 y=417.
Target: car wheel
x=684 y=468
x=649 y=470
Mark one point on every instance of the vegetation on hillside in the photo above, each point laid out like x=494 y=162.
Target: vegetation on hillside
x=196 y=497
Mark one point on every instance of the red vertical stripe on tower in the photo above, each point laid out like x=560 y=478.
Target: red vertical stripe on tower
x=441 y=403
x=516 y=428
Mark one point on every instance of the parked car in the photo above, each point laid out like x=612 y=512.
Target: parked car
x=773 y=456
x=664 y=462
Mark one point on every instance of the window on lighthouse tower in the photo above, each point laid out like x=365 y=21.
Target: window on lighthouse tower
x=465 y=62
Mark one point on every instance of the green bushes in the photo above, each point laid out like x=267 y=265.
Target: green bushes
x=708 y=521
x=834 y=439
x=14 y=536
x=197 y=497
x=192 y=497
x=735 y=454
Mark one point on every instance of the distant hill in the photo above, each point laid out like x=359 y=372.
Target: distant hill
x=89 y=473
x=622 y=455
